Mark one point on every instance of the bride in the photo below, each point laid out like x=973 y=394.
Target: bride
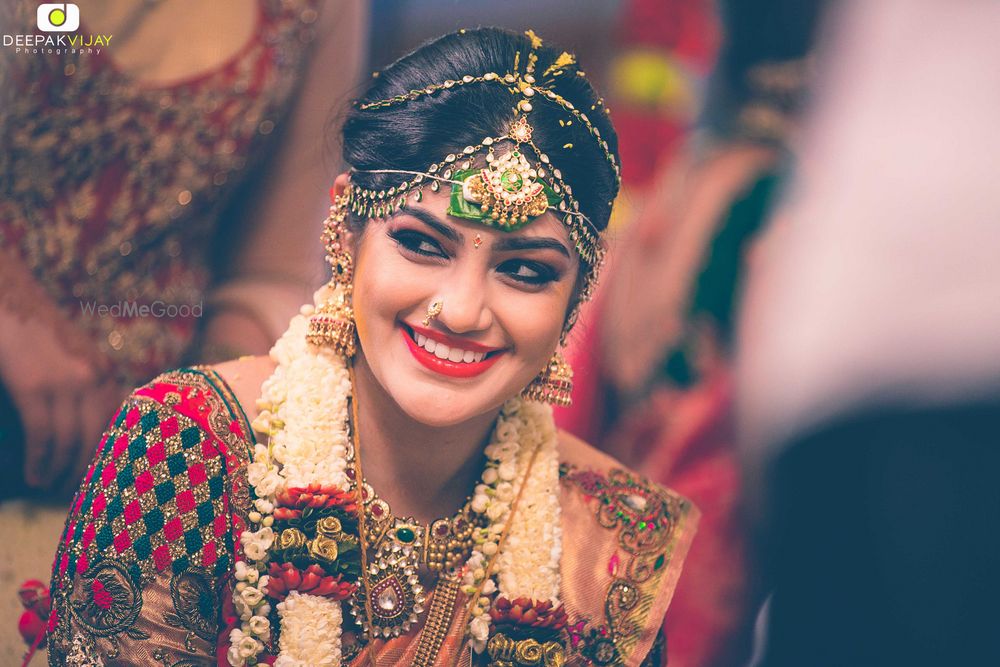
x=388 y=486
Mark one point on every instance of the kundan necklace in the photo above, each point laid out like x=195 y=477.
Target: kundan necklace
x=390 y=597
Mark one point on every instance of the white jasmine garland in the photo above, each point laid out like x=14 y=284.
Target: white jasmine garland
x=310 y=631
x=528 y=564
x=304 y=416
x=242 y=647
x=261 y=627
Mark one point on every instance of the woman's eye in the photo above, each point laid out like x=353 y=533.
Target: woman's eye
x=418 y=243
x=531 y=273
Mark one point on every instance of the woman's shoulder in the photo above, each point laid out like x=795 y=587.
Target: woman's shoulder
x=591 y=472
x=220 y=398
x=208 y=402
x=624 y=543
x=169 y=465
x=154 y=521
x=243 y=377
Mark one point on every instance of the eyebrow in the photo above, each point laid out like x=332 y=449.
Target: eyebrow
x=530 y=243
x=430 y=220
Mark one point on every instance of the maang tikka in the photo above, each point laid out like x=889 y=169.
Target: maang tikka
x=332 y=324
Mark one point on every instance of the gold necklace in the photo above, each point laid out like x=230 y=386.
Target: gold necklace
x=442 y=546
x=390 y=597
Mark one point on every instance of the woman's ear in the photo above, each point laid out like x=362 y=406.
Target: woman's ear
x=339 y=188
x=340 y=185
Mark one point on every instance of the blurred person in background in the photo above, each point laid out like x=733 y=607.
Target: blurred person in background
x=125 y=175
x=176 y=169
x=661 y=334
x=869 y=352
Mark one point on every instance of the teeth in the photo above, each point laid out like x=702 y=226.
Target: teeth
x=442 y=351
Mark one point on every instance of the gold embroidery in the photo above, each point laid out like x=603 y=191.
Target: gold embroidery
x=101 y=174
x=646 y=518
x=136 y=532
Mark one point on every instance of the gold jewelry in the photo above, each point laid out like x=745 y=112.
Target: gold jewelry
x=335 y=241
x=390 y=598
x=524 y=85
x=456 y=170
x=433 y=310
x=477 y=241
x=507 y=652
x=442 y=546
x=554 y=385
x=508 y=189
x=333 y=322
x=438 y=621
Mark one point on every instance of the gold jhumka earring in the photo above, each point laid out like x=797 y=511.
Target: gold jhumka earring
x=554 y=385
x=333 y=322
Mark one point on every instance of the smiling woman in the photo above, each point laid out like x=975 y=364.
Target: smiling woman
x=403 y=495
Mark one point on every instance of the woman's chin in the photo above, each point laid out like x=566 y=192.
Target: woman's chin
x=441 y=404
x=440 y=408
x=439 y=400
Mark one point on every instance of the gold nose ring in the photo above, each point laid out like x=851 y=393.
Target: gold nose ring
x=433 y=310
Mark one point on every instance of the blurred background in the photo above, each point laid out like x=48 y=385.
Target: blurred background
x=798 y=326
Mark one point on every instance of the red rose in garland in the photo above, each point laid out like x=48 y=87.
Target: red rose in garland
x=313 y=581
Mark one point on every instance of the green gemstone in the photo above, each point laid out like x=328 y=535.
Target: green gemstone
x=405 y=534
x=511 y=181
x=659 y=562
x=642 y=525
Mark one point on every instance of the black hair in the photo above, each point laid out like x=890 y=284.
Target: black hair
x=418 y=132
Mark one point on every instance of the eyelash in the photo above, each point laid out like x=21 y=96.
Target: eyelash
x=412 y=242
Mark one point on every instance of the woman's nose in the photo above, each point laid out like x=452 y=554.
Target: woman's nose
x=465 y=300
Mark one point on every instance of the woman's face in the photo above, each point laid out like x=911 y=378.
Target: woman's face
x=504 y=298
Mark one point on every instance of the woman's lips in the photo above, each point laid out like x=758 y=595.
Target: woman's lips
x=456 y=369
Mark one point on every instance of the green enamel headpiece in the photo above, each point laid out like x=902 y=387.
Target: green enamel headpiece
x=468 y=195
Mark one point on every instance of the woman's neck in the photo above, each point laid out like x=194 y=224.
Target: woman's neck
x=422 y=471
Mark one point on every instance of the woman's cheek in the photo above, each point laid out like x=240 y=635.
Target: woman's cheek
x=384 y=285
x=535 y=323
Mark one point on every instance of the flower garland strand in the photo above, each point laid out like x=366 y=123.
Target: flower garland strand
x=310 y=632
x=302 y=469
x=302 y=408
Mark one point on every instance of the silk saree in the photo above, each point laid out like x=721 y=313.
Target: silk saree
x=143 y=572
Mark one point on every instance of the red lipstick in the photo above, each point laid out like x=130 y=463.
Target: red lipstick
x=456 y=369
